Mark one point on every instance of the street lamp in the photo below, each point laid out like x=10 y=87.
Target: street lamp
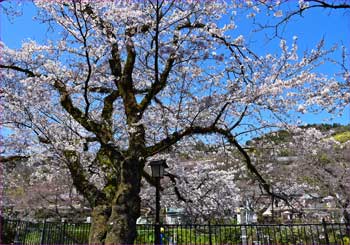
x=157 y=168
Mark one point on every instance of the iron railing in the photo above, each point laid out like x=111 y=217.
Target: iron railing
x=24 y=232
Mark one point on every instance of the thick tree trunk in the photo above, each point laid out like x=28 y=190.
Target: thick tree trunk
x=98 y=231
x=125 y=205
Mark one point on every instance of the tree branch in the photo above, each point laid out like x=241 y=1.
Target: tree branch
x=250 y=165
x=107 y=111
x=175 y=137
x=87 y=57
x=85 y=188
x=6 y=159
x=28 y=72
x=102 y=132
x=324 y=4
x=176 y=189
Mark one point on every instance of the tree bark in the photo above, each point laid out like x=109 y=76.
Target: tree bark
x=98 y=231
x=115 y=222
x=125 y=205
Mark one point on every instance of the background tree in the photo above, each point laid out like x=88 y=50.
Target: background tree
x=40 y=192
x=326 y=166
x=123 y=82
x=312 y=160
x=192 y=183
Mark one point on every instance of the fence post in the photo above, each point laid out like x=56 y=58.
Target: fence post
x=17 y=241
x=25 y=232
x=325 y=231
x=210 y=240
x=42 y=238
x=63 y=232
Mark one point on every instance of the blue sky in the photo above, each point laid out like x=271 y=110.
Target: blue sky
x=333 y=25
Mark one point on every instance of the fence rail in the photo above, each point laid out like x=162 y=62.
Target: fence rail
x=24 y=232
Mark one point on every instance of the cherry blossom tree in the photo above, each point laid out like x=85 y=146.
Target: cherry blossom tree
x=302 y=161
x=193 y=184
x=326 y=167
x=287 y=11
x=39 y=190
x=307 y=160
x=295 y=9
x=127 y=81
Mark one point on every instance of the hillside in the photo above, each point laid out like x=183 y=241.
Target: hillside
x=340 y=133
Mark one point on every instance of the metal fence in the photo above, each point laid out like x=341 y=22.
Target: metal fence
x=23 y=232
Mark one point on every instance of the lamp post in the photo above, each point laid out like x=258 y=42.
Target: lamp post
x=157 y=168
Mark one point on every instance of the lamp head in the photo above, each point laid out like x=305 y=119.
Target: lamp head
x=158 y=167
